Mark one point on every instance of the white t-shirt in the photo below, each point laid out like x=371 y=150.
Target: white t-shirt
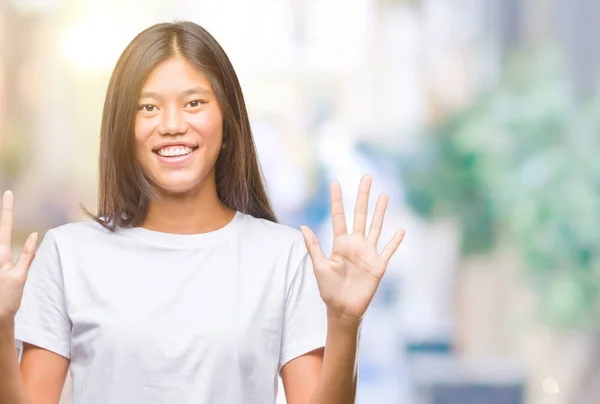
x=149 y=317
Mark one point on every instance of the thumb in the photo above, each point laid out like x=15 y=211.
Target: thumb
x=313 y=246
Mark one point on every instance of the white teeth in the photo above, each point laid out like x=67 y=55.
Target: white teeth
x=173 y=151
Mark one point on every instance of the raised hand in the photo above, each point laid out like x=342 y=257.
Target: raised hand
x=12 y=276
x=349 y=278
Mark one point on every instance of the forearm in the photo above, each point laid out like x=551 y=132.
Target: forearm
x=339 y=375
x=12 y=389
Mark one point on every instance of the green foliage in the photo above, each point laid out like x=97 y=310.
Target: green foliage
x=524 y=164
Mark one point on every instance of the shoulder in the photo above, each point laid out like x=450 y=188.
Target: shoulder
x=273 y=236
x=60 y=243
x=265 y=229
x=77 y=232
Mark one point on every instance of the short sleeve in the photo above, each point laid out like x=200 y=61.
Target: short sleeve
x=42 y=318
x=305 y=316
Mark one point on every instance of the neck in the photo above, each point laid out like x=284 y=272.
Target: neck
x=193 y=212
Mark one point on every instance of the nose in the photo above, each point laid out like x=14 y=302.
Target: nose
x=172 y=122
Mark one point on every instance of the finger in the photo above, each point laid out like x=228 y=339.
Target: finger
x=362 y=205
x=28 y=253
x=337 y=210
x=6 y=221
x=392 y=246
x=377 y=222
x=313 y=246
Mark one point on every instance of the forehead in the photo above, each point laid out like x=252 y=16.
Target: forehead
x=175 y=74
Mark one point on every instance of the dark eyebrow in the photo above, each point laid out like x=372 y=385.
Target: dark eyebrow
x=186 y=93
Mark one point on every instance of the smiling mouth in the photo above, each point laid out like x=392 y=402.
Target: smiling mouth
x=175 y=151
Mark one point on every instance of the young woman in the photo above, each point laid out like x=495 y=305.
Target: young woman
x=184 y=289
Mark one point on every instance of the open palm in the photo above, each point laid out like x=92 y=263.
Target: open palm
x=349 y=278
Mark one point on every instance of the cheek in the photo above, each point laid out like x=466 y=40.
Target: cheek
x=210 y=127
x=143 y=129
x=142 y=133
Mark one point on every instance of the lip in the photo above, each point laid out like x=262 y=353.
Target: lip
x=176 y=161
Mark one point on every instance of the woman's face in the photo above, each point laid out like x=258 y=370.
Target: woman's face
x=178 y=127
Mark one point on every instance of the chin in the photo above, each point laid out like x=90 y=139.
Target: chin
x=178 y=186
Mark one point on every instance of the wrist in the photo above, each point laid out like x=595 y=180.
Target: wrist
x=342 y=322
x=7 y=322
x=7 y=329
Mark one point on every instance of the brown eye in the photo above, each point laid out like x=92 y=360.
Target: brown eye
x=195 y=103
x=147 y=108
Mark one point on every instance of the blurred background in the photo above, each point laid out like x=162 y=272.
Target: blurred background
x=480 y=118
